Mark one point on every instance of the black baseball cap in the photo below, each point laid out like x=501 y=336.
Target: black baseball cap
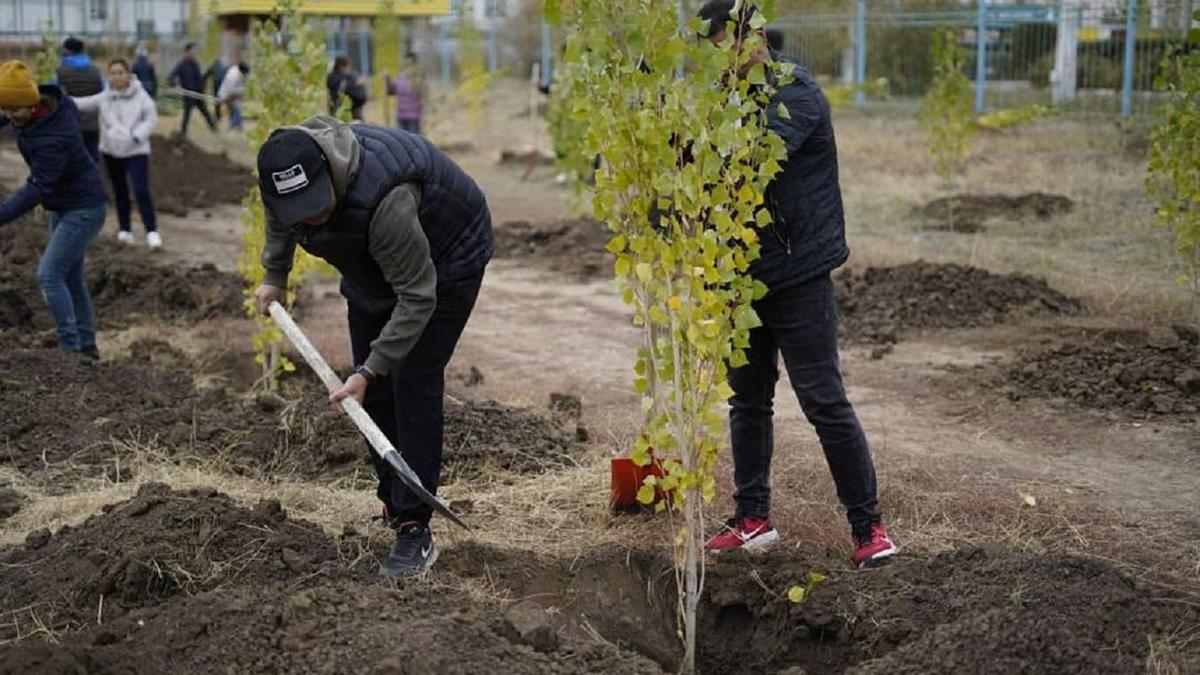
x=293 y=175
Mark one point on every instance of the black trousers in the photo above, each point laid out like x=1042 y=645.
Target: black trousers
x=408 y=405
x=801 y=324
x=122 y=171
x=91 y=142
x=188 y=104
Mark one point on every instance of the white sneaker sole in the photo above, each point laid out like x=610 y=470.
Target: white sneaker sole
x=756 y=545
x=883 y=557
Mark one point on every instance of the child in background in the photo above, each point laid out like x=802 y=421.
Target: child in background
x=409 y=89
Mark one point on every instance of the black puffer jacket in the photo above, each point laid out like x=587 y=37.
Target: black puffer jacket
x=808 y=236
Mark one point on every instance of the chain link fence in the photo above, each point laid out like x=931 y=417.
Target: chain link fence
x=1081 y=57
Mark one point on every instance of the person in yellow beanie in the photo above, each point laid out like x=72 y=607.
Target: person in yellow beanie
x=63 y=179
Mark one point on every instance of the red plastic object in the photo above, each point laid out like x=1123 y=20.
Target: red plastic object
x=627 y=479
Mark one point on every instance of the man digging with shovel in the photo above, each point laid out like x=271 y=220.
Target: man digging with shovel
x=411 y=234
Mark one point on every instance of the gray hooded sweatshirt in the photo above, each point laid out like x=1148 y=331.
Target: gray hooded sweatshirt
x=395 y=241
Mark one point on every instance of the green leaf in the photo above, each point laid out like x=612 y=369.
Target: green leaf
x=645 y=494
x=784 y=112
x=796 y=594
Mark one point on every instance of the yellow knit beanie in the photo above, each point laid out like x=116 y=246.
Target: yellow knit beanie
x=17 y=88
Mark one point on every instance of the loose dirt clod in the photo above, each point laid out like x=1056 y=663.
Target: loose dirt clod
x=967 y=213
x=572 y=247
x=11 y=502
x=882 y=304
x=1155 y=372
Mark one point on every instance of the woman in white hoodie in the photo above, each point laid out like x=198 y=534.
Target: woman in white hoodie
x=127 y=119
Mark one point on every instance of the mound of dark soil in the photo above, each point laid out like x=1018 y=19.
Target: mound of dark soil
x=184 y=177
x=571 y=247
x=127 y=285
x=883 y=303
x=969 y=610
x=483 y=437
x=11 y=502
x=967 y=212
x=1152 y=373
x=90 y=414
x=158 y=544
x=62 y=413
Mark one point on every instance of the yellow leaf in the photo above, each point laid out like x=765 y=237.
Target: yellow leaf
x=796 y=594
x=1027 y=499
x=674 y=302
x=815 y=578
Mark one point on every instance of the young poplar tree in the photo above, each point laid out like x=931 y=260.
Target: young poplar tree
x=385 y=35
x=947 y=111
x=45 y=63
x=686 y=160
x=290 y=59
x=1174 y=178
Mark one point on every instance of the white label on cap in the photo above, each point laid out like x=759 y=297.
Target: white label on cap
x=290 y=180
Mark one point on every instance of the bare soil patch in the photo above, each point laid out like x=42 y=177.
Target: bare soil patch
x=882 y=304
x=1153 y=372
x=968 y=213
x=90 y=415
x=127 y=286
x=184 y=177
x=571 y=247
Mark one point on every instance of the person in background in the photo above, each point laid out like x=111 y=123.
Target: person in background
x=63 y=179
x=127 y=119
x=186 y=74
x=215 y=75
x=144 y=71
x=78 y=76
x=342 y=81
x=232 y=91
x=409 y=89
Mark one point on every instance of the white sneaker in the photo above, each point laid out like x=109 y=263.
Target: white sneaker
x=125 y=237
x=153 y=240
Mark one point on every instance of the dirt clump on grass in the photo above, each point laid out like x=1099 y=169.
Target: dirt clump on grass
x=184 y=177
x=159 y=544
x=1154 y=372
x=571 y=247
x=882 y=304
x=968 y=213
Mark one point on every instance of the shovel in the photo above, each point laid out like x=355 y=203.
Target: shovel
x=379 y=442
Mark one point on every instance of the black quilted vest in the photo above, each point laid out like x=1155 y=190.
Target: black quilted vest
x=81 y=82
x=452 y=210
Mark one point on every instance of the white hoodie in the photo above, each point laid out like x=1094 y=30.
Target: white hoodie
x=233 y=86
x=127 y=119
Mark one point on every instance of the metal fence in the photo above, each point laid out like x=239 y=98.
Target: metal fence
x=1089 y=57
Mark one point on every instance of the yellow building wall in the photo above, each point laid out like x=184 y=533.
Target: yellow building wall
x=337 y=7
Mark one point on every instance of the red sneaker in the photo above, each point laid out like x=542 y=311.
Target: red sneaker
x=874 y=548
x=747 y=534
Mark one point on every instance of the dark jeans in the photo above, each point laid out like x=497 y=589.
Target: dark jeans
x=122 y=171
x=408 y=404
x=801 y=324
x=91 y=142
x=60 y=275
x=188 y=104
x=413 y=126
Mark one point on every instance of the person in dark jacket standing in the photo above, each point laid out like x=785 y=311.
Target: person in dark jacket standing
x=215 y=75
x=143 y=70
x=64 y=179
x=342 y=81
x=78 y=76
x=411 y=234
x=805 y=242
x=187 y=76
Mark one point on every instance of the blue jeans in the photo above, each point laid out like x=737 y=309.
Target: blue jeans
x=235 y=115
x=408 y=404
x=121 y=172
x=413 y=126
x=60 y=274
x=801 y=324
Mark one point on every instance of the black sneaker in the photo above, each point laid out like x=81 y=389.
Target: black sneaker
x=90 y=353
x=413 y=553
